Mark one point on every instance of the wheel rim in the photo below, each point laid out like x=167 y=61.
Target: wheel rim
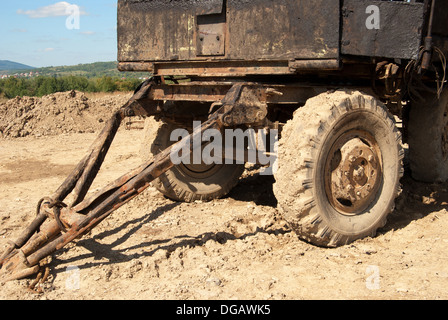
x=353 y=172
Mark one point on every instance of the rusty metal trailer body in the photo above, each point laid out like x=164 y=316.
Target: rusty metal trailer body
x=297 y=66
x=217 y=38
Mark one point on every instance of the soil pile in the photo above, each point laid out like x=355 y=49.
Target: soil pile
x=66 y=112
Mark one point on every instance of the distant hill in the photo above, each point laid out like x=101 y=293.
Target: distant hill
x=90 y=70
x=6 y=65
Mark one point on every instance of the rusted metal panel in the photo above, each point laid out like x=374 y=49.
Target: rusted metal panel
x=136 y=66
x=207 y=7
x=211 y=35
x=316 y=65
x=222 y=68
x=283 y=29
x=225 y=68
x=156 y=30
x=212 y=91
x=163 y=30
x=191 y=91
x=397 y=34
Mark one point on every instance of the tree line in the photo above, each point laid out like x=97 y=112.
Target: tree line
x=44 y=85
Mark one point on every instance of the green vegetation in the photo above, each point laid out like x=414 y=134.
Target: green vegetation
x=91 y=70
x=93 y=77
x=44 y=85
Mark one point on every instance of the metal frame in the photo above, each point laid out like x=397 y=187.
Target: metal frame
x=58 y=224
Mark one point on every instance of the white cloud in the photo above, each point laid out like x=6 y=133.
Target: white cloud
x=18 y=30
x=88 y=33
x=58 y=9
x=45 y=50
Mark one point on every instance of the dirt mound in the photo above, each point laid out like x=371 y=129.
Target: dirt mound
x=66 y=112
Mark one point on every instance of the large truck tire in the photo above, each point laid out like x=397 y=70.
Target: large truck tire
x=428 y=139
x=340 y=164
x=188 y=183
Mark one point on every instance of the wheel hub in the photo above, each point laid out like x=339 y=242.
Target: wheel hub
x=353 y=173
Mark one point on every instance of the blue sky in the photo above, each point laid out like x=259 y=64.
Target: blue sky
x=44 y=33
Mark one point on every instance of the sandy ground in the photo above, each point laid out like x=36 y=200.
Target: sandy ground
x=238 y=247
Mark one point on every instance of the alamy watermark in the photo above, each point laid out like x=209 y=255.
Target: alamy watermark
x=234 y=146
x=73 y=21
x=73 y=280
x=373 y=277
x=373 y=20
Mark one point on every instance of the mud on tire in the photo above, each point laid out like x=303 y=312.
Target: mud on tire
x=187 y=183
x=340 y=162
